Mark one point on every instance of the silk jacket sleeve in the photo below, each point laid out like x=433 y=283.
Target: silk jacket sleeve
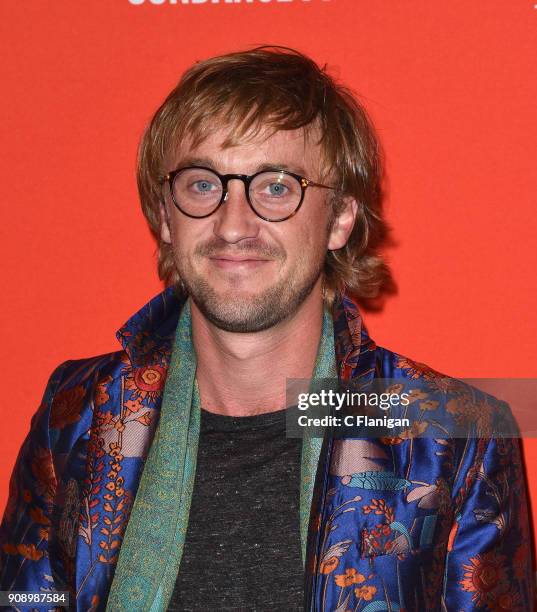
x=488 y=565
x=415 y=522
x=24 y=533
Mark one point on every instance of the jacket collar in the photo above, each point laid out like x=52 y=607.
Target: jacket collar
x=147 y=337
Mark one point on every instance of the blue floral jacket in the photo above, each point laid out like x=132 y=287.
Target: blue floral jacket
x=403 y=523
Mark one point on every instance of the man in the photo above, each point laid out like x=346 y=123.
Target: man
x=160 y=477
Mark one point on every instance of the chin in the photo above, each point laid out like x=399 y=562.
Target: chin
x=237 y=305
x=240 y=326
x=242 y=312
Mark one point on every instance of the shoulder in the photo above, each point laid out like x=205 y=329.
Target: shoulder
x=390 y=364
x=459 y=415
x=393 y=364
x=62 y=419
x=73 y=390
x=465 y=407
x=77 y=380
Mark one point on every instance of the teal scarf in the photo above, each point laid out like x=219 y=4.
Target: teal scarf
x=153 y=544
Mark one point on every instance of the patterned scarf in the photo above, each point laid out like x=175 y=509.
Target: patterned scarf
x=153 y=544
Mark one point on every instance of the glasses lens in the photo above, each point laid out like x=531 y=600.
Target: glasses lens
x=197 y=192
x=275 y=195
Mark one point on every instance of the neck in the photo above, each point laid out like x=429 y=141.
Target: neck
x=242 y=374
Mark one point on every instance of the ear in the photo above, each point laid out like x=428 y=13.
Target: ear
x=342 y=224
x=165 y=233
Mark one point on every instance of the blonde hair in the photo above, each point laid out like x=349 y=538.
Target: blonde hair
x=281 y=89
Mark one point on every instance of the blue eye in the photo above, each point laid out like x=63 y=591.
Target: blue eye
x=203 y=186
x=277 y=189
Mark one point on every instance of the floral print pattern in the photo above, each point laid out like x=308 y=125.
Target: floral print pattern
x=401 y=523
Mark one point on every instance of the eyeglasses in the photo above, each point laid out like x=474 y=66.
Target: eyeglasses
x=273 y=195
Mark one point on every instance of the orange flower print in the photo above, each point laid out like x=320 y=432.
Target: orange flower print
x=145 y=419
x=428 y=405
x=43 y=533
x=146 y=382
x=149 y=379
x=101 y=394
x=329 y=565
x=457 y=406
x=366 y=592
x=484 y=575
x=396 y=388
x=379 y=507
x=30 y=552
x=66 y=407
x=38 y=516
x=330 y=559
x=133 y=405
x=43 y=470
x=415 y=395
x=94 y=603
x=416 y=369
x=351 y=576
x=391 y=441
x=103 y=420
x=415 y=431
x=477 y=413
x=10 y=549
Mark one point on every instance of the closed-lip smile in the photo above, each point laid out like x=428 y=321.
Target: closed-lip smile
x=239 y=262
x=239 y=258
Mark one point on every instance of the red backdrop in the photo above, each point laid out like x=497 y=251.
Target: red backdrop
x=450 y=85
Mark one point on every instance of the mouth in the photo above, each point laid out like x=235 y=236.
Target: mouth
x=238 y=262
x=246 y=262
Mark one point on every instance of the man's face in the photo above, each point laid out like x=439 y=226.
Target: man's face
x=246 y=274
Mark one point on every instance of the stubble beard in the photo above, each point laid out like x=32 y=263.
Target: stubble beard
x=247 y=313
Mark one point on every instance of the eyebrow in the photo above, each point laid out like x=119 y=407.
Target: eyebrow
x=208 y=163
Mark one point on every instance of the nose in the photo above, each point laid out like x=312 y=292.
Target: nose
x=235 y=220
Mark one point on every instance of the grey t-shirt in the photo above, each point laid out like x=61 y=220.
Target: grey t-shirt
x=242 y=547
